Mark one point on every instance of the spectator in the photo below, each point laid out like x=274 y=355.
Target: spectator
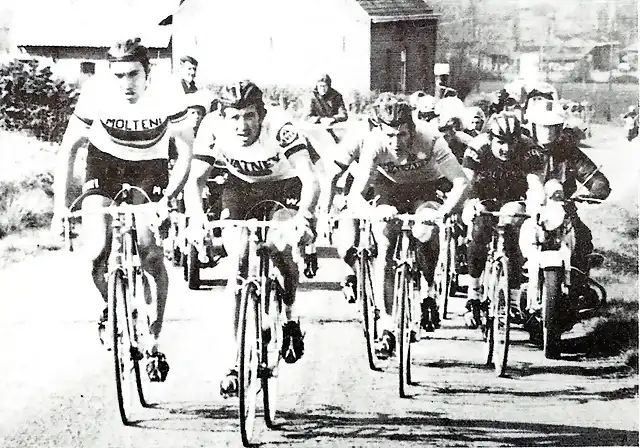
x=188 y=69
x=326 y=105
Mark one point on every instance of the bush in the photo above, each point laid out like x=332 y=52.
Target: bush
x=32 y=100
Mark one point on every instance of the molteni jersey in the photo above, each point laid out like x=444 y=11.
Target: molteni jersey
x=427 y=159
x=137 y=131
x=266 y=159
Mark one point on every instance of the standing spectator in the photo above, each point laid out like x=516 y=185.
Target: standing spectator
x=187 y=72
x=326 y=105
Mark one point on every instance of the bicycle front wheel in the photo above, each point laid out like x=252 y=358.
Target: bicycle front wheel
x=444 y=273
x=124 y=368
x=271 y=342
x=140 y=320
x=402 y=300
x=364 y=286
x=501 y=315
x=249 y=381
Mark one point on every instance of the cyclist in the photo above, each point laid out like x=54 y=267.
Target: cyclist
x=127 y=123
x=402 y=160
x=188 y=70
x=267 y=158
x=564 y=161
x=476 y=120
x=502 y=166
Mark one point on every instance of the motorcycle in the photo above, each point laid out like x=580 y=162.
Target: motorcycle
x=557 y=295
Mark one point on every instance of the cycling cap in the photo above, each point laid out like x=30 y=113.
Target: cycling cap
x=504 y=126
x=241 y=94
x=545 y=113
x=390 y=110
x=130 y=50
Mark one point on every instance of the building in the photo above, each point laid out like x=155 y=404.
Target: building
x=362 y=44
x=75 y=35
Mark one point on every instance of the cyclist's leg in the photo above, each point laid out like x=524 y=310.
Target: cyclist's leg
x=345 y=240
x=477 y=249
x=101 y=173
x=152 y=177
x=428 y=251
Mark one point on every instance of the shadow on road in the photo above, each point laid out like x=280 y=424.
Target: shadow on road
x=335 y=423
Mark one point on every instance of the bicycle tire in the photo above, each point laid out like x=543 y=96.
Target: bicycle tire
x=136 y=334
x=193 y=268
x=364 y=287
x=248 y=362
x=551 y=299
x=120 y=343
x=501 y=315
x=487 y=297
x=444 y=283
x=403 y=287
x=271 y=352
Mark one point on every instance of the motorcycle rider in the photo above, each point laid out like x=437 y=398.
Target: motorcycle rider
x=578 y=174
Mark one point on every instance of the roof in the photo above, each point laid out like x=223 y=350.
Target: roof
x=396 y=10
x=77 y=23
x=631 y=48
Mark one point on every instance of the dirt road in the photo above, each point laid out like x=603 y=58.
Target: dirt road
x=57 y=387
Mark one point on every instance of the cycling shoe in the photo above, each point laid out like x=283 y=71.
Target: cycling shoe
x=157 y=367
x=292 y=342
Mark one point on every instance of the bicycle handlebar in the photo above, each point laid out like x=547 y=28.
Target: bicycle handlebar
x=503 y=215
x=113 y=210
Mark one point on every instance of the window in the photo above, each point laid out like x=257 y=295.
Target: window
x=88 y=68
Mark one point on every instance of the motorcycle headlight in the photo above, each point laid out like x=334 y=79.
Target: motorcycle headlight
x=552 y=215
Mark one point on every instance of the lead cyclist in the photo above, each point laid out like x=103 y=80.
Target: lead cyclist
x=128 y=122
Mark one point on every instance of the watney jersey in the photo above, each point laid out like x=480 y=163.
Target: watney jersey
x=267 y=159
x=428 y=158
x=128 y=131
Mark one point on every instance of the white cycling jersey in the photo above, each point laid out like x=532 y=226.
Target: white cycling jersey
x=128 y=131
x=267 y=159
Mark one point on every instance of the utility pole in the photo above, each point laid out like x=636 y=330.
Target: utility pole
x=612 y=18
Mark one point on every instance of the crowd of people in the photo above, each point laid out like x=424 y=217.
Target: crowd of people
x=419 y=154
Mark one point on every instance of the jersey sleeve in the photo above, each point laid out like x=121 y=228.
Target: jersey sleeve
x=204 y=146
x=289 y=139
x=445 y=162
x=350 y=148
x=87 y=106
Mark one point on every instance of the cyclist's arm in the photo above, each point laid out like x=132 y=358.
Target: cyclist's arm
x=74 y=138
x=364 y=171
x=450 y=168
x=301 y=163
x=202 y=164
x=180 y=171
x=589 y=175
x=342 y=110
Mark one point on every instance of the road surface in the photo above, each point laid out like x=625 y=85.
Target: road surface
x=57 y=387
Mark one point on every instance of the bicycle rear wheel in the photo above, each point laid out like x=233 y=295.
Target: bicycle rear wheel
x=501 y=315
x=364 y=286
x=271 y=342
x=124 y=369
x=248 y=362
x=403 y=291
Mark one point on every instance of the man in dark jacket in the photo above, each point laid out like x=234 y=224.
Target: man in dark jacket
x=326 y=105
x=188 y=69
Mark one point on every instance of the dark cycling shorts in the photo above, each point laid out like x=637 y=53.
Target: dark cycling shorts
x=105 y=174
x=239 y=196
x=406 y=197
